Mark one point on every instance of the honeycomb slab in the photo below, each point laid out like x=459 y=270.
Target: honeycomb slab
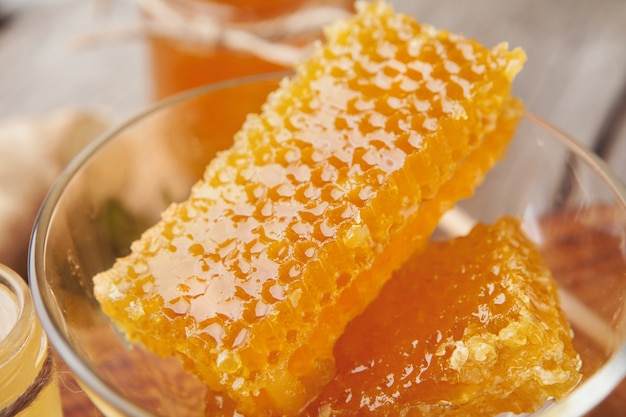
x=468 y=327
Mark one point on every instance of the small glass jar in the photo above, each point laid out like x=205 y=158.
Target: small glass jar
x=198 y=42
x=28 y=379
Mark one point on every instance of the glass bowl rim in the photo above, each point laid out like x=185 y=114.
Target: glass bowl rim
x=577 y=403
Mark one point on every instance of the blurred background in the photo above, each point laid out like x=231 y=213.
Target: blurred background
x=70 y=69
x=92 y=54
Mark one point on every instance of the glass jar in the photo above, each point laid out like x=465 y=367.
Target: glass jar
x=198 y=42
x=28 y=380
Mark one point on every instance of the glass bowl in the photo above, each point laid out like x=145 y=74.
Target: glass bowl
x=571 y=205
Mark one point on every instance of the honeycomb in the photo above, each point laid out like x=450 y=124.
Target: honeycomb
x=461 y=185
x=468 y=327
x=295 y=228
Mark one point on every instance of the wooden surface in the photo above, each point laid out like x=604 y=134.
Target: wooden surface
x=575 y=77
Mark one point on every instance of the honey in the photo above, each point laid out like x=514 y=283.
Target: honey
x=294 y=229
x=225 y=39
x=468 y=327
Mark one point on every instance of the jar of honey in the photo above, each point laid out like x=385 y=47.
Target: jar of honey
x=197 y=42
x=28 y=380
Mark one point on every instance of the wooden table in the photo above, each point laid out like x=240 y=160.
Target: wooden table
x=575 y=76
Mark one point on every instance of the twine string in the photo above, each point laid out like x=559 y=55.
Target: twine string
x=266 y=39
x=44 y=377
